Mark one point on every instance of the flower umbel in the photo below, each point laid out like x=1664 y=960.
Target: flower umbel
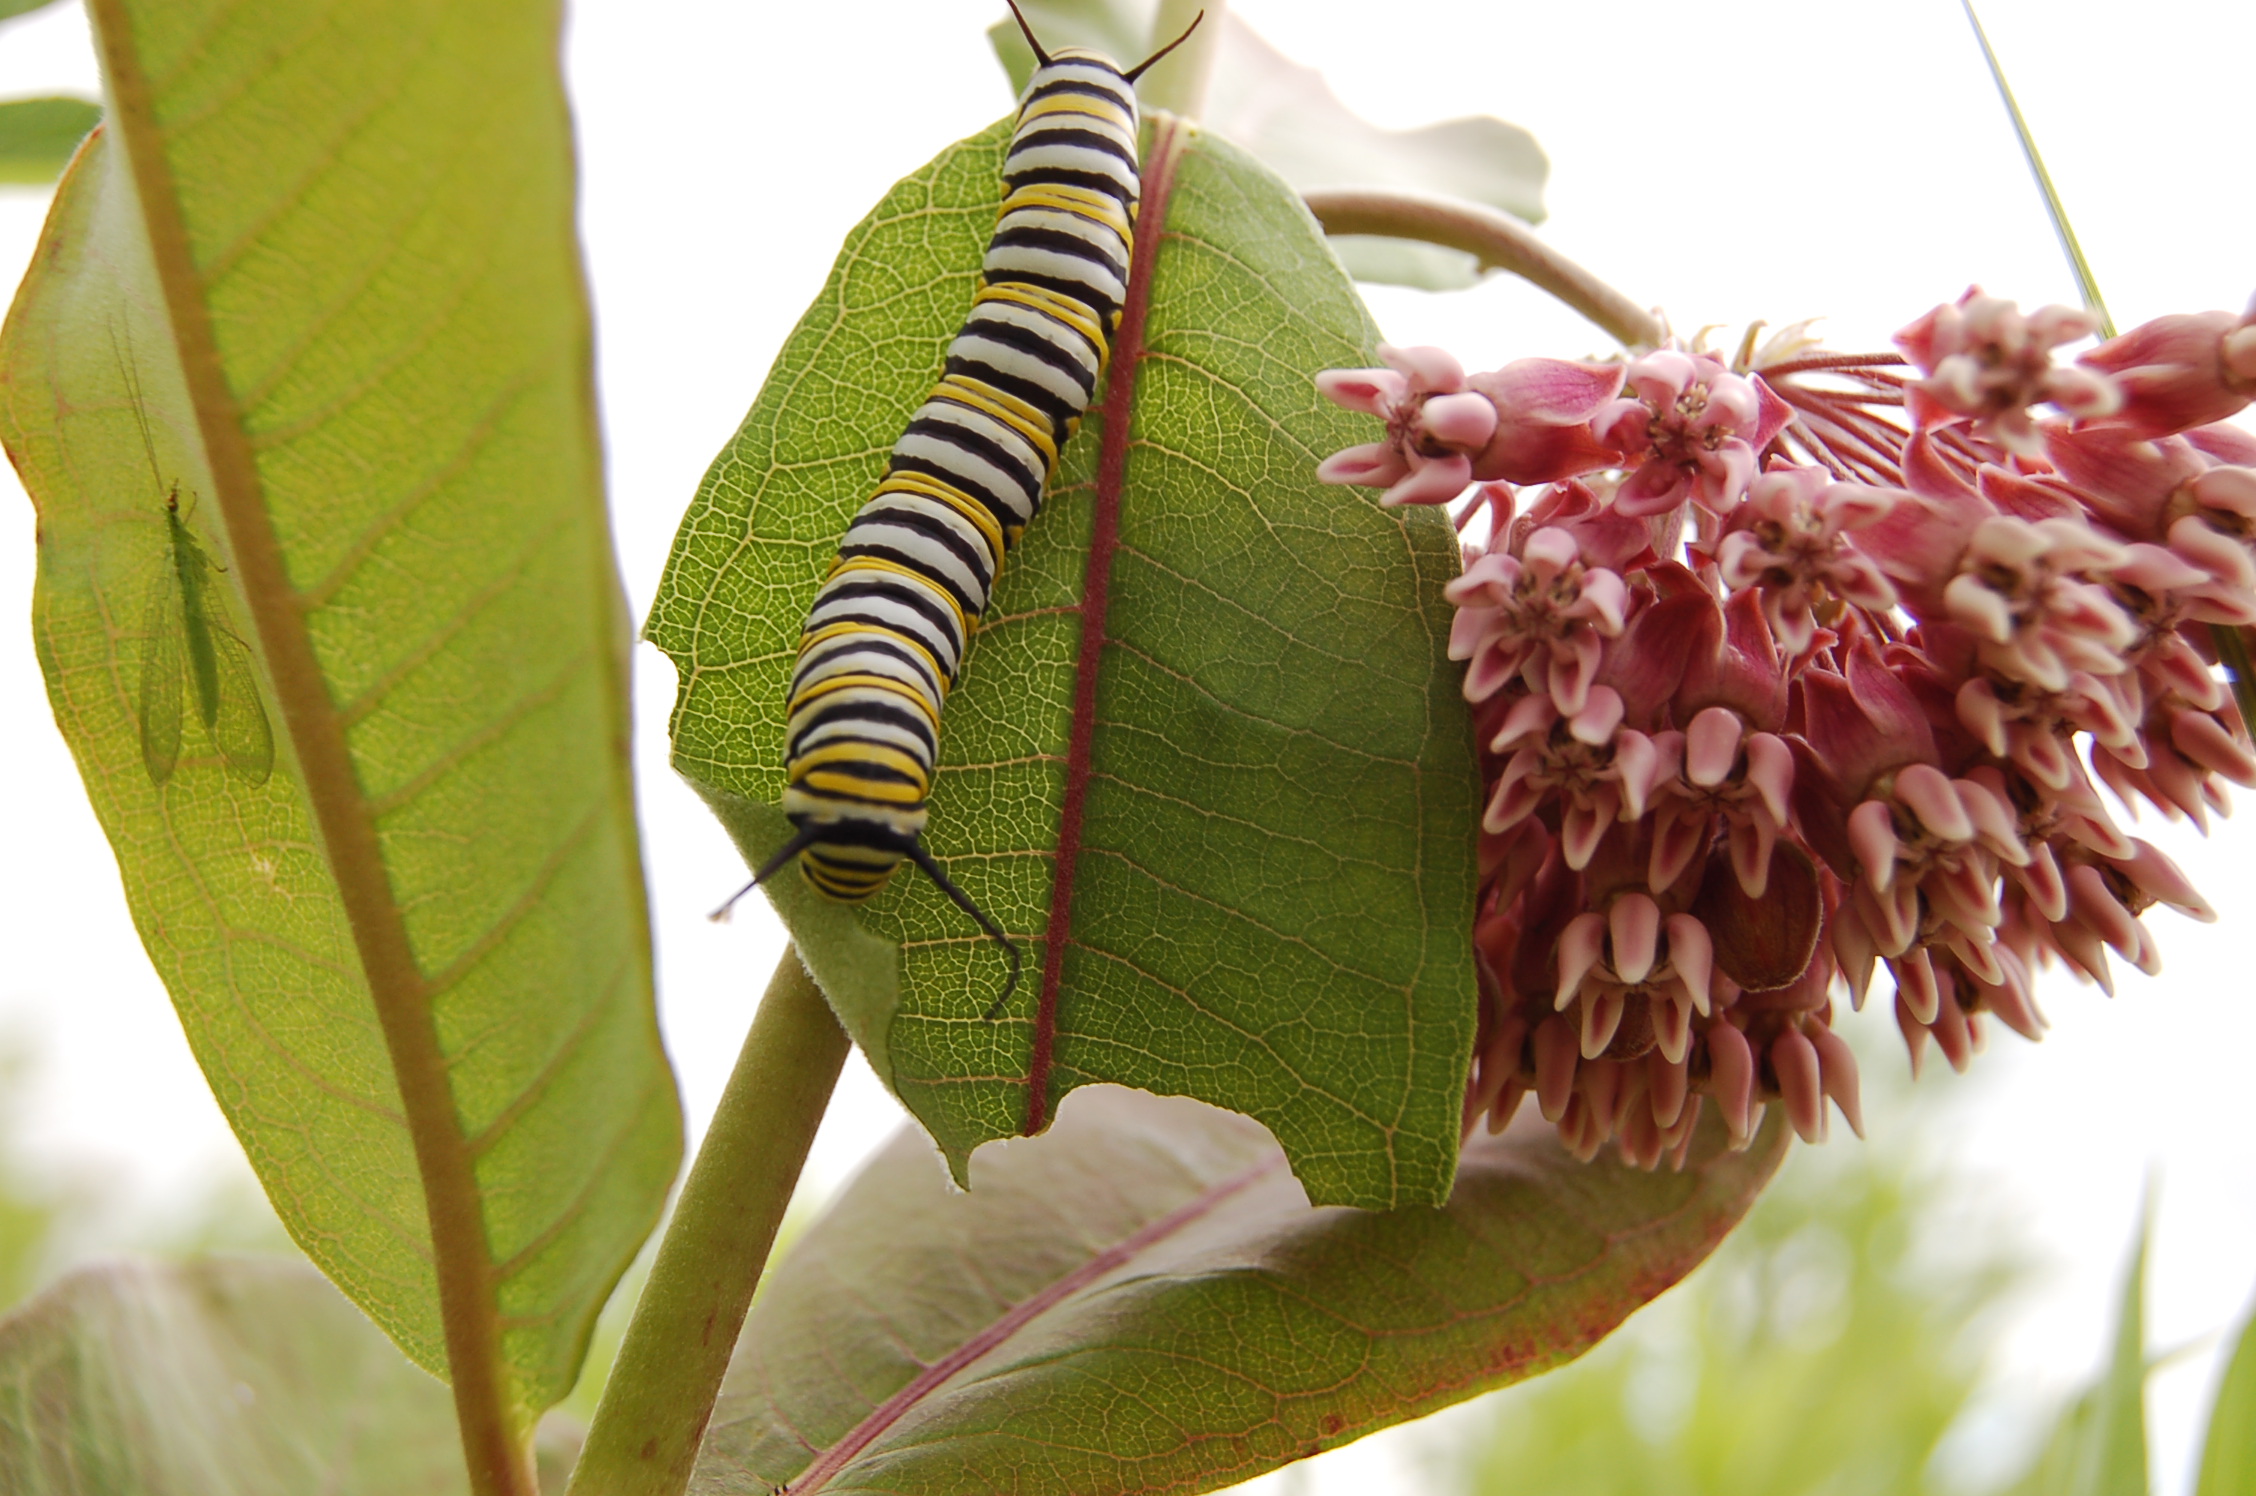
x=1790 y=672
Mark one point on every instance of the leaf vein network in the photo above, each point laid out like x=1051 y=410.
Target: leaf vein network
x=1287 y=728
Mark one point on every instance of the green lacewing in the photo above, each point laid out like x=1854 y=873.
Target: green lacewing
x=189 y=649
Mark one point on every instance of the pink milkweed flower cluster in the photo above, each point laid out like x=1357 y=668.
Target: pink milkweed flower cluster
x=1801 y=667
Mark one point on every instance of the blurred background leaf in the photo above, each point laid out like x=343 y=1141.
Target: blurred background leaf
x=29 y=1209
x=1289 y=118
x=38 y=135
x=2228 y=1460
x=54 y=1219
x=1836 y=1343
x=1840 y=1342
x=1812 y=1354
x=254 y=1378
x=11 y=8
x=2098 y=1446
x=111 y=1337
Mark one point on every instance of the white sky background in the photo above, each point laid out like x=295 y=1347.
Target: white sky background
x=1769 y=159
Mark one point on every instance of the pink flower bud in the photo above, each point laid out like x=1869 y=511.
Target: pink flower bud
x=1800 y=1083
x=1543 y=410
x=2179 y=372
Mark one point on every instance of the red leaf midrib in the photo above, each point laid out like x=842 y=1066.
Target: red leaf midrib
x=1168 y=136
x=940 y=1373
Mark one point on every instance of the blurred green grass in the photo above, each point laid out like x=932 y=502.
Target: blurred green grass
x=1833 y=1346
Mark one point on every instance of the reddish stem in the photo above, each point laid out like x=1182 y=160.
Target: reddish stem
x=1819 y=363
x=1096 y=598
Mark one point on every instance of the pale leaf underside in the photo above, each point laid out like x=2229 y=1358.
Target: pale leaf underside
x=1142 y=1300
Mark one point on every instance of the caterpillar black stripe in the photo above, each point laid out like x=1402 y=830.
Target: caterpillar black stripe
x=886 y=636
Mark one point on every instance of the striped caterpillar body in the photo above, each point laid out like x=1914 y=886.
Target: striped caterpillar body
x=886 y=636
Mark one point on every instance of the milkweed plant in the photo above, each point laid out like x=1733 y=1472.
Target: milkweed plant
x=1402 y=847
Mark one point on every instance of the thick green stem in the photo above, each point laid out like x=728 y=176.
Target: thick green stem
x=1496 y=239
x=661 y=1390
x=1178 y=85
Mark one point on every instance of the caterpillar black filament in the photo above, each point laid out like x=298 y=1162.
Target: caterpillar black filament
x=887 y=633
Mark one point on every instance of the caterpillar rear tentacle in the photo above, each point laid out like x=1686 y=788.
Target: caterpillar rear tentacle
x=887 y=633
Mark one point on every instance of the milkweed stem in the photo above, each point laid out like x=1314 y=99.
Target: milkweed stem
x=644 y=1438
x=1496 y=239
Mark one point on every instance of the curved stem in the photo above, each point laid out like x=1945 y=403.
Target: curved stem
x=1496 y=239
x=660 y=1394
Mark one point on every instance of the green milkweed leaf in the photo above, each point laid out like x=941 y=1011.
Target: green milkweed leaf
x=1257 y=795
x=38 y=135
x=330 y=255
x=1144 y=1301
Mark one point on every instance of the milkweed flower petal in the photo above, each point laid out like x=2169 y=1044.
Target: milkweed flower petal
x=1986 y=363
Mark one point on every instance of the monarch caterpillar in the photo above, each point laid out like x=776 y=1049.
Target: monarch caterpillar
x=887 y=632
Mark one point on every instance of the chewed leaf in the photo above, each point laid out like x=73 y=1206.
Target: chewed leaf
x=1144 y=1301
x=1236 y=841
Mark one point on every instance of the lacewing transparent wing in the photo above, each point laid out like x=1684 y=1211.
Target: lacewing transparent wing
x=238 y=724
x=188 y=645
x=162 y=659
